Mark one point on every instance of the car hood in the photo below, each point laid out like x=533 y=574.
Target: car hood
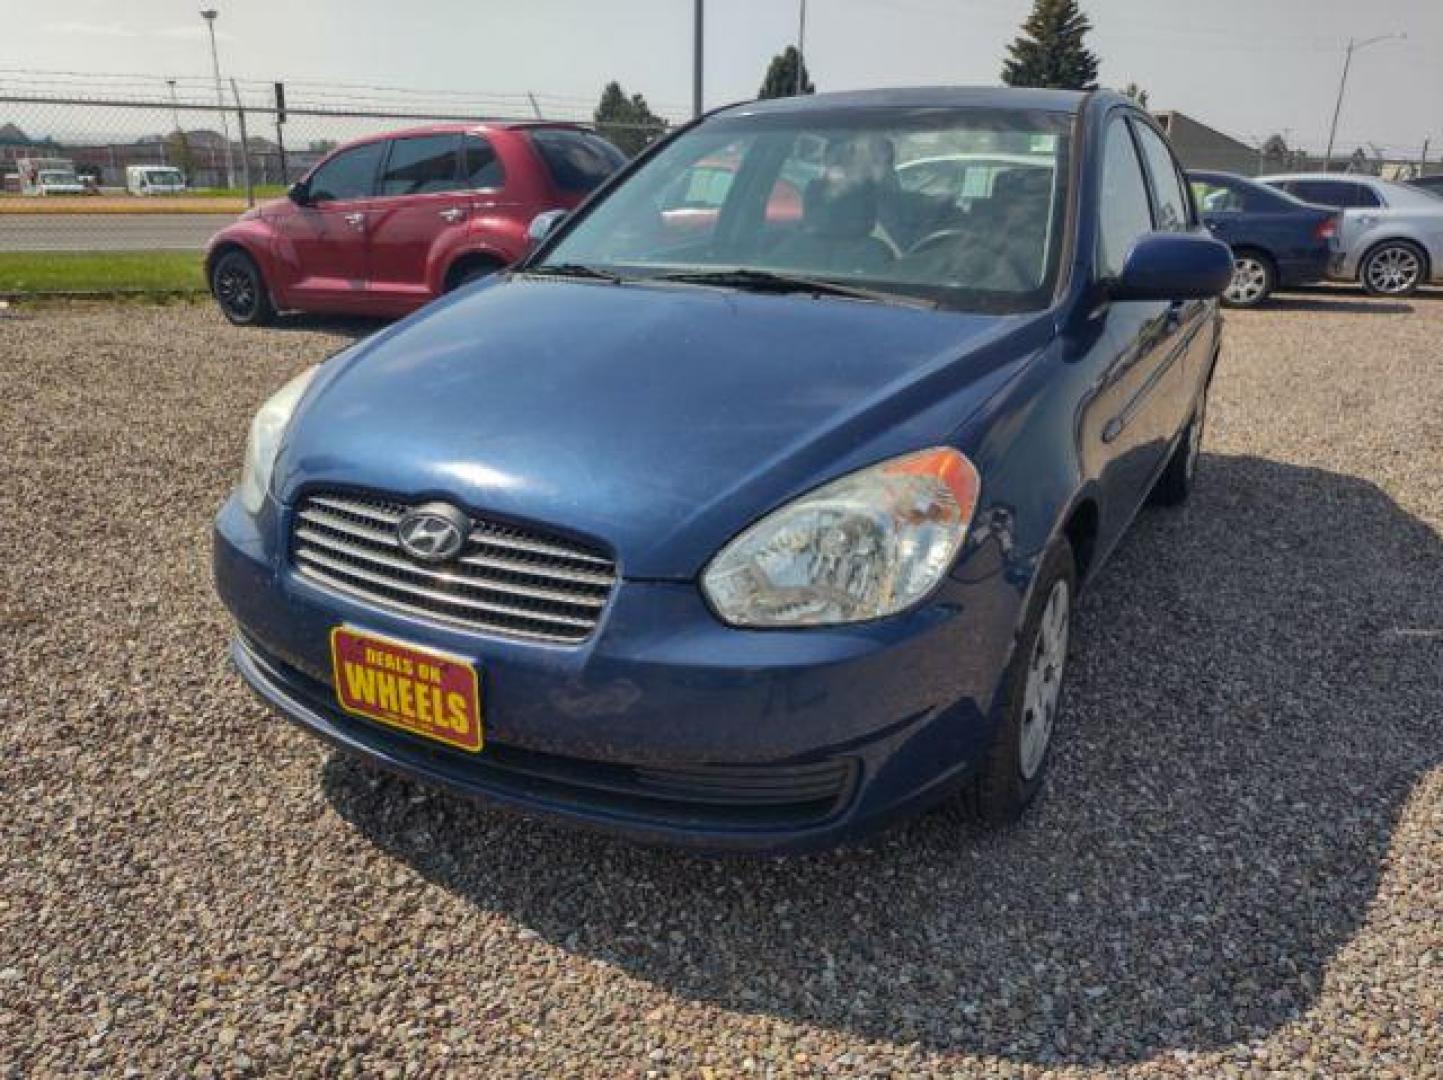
x=657 y=420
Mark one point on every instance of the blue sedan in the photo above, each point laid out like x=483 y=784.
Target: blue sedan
x=1277 y=240
x=750 y=510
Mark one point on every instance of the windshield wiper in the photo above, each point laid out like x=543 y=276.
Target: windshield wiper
x=769 y=281
x=577 y=270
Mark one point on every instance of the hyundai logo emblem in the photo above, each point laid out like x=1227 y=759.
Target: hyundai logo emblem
x=433 y=533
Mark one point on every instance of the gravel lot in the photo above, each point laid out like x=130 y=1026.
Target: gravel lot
x=1238 y=868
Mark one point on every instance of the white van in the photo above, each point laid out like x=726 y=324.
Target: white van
x=48 y=176
x=154 y=180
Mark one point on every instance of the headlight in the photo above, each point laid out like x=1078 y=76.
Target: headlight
x=867 y=545
x=264 y=443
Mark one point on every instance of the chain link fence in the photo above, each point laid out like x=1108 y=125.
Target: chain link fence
x=149 y=164
x=149 y=173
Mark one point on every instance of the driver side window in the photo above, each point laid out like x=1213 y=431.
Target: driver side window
x=1124 y=213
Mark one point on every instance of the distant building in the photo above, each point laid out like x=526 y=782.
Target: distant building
x=1202 y=147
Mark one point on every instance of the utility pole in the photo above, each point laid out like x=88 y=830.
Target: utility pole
x=698 y=51
x=1423 y=158
x=1353 y=46
x=801 y=49
x=209 y=15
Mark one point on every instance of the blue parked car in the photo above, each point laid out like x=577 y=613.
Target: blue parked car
x=746 y=528
x=1277 y=240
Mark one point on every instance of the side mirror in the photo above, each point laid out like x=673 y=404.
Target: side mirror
x=1173 y=266
x=543 y=225
x=299 y=193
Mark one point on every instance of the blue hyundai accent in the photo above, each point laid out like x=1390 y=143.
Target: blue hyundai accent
x=751 y=509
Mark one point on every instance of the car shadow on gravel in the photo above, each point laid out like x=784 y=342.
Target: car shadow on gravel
x=1254 y=693
x=1330 y=303
x=354 y=327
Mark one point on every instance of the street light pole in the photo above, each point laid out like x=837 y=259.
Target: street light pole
x=1353 y=46
x=174 y=106
x=801 y=49
x=699 y=22
x=209 y=15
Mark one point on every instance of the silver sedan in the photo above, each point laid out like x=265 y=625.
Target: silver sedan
x=1391 y=240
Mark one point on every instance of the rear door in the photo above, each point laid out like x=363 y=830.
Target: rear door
x=321 y=247
x=422 y=209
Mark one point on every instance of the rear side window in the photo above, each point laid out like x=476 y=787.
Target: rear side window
x=480 y=167
x=1168 y=195
x=1338 y=194
x=421 y=166
x=351 y=174
x=1124 y=213
x=577 y=160
x=1215 y=198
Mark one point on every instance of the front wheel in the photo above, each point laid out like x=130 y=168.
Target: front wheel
x=239 y=289
x=1394 y=268
x=1253 y=280
x=1012 y=772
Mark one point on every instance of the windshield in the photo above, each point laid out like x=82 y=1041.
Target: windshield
x=58 y=178
x=962 y=207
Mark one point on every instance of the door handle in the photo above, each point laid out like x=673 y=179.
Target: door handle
x=356 y=220
x=453 y=214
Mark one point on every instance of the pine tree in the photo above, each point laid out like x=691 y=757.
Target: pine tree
x=1050 y=51
x=627 y=122
x=781 y=80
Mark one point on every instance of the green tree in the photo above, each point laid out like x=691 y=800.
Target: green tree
x=626 y=121
x=1137 y=93
x=1050 y=50
x=179 y=153
x=781 y=80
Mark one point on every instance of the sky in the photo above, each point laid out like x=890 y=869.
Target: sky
x=1248 y=67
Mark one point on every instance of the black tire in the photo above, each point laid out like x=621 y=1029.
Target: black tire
x=1012 y=773
x=1178 y=479
x=469 y=271
x=240 y=290
x=1393 y=268
x=1254 y=279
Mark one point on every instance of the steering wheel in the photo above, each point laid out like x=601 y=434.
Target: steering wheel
x=935 y=239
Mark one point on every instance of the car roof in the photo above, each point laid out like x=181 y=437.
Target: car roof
x=462 y=126
x=1353 y=178
x=921 y=97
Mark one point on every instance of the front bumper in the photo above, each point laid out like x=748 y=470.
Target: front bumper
x=665 y=726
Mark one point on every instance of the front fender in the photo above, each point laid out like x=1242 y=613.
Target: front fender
x=252 y=237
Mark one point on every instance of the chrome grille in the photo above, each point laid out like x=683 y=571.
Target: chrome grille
x=506 y=580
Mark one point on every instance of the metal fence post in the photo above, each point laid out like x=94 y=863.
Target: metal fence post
x=245 y=147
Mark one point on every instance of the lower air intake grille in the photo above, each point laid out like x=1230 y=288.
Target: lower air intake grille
x=504 y=580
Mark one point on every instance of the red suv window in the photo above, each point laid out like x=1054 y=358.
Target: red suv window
x=577 y=160
x=421 y=166
x=480 y=167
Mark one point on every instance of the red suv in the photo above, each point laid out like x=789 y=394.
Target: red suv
x=384 y=224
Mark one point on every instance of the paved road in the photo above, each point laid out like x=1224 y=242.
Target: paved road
x=108 y=232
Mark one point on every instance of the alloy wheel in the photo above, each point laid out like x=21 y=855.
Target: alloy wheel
x=235 y=288
x=1250 y=281
x=1043 y=691
x=1394 y=270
